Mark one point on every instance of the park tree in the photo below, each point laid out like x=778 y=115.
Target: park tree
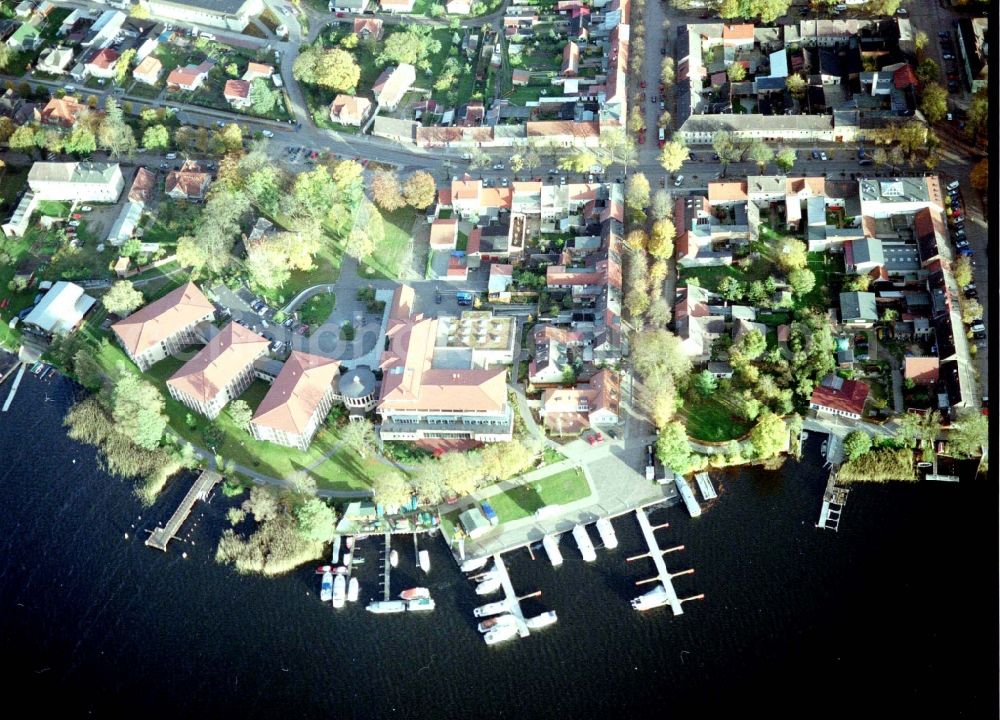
x=856 y=444
x=928 y=71
x=359 y=436
x=705 y=383
x=660 y=399
x=231 y=137
x=970 y=434
x=791 y=254
x=760 y=153
x=461 y=472
x=963 y=271
x=637 y=191
x=365 y=237
x=23 y=139
x=752 y=345
x=81 y=140
x=420 y=190
x=768 y=436
x=662 y=206
x=115 y=135
x=122 y=298
x=636 y=302
x=934 y=102
x=263 y=503
x=658 y=315
x=413 y=45
x=657 y=274
x=673 y=448
x=661 y=239
x=730 y=288
x=980 y=175
x=785 y=158
x=137 y=408
x=386 y=190
x=267 y=263
x=579 y=162
x=796 y=85
x=391 y=489
x=674 y=154
x=802 y=280
x=736 y=72
x=262 y=97
x=240 y=413
x=331 y=68
x=501 y=461
x=658 y=353
x=315 y=520
x=616 y=146
x=156 y=137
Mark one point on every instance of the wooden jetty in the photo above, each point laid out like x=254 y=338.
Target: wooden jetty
x=13 y=390
x=512 y=599
x=705 y=485
x=834 y=500
x=199 y=491
x=387 y=567
x=663 y=575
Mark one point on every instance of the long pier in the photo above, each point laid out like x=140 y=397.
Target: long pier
x=199 y=491
x=512 y=599
x=664 y=576
x=834 y=500
x=387 y=567
x=13 y=389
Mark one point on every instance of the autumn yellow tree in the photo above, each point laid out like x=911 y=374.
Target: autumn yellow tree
x=980 y=175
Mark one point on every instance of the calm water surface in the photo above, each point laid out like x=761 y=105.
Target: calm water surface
x=880 y=616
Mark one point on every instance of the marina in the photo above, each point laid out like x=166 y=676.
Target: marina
x=199 y=491
x=663 y=593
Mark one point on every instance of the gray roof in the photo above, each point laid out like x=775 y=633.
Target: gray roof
x=857 y=306
x=867 y=250
x=733 y=123
x=357 y=383
x=231 y=7
x=72 y=172
x=770 y=83
x=394 y=127
x=899 y=189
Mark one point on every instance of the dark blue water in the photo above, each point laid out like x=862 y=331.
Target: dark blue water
x=885 y=615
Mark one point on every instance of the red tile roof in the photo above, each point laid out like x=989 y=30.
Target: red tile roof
x=849 y=398
x=105 y=59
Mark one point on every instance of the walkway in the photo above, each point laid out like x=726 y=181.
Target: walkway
x=199 y=491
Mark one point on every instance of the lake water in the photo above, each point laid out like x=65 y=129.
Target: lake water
x=882 y=616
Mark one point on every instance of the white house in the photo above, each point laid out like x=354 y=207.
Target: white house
x=225 y=14
x=82 y=181
x=61 y=310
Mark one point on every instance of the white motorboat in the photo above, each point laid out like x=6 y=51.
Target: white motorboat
x=335 y=558
x=607 y=532
x=339 y=591
x=493 y=608
x=657 y=597
x=420 y=604
x=583 y=542
x=473 y=564
x=486 y=625
x=326 y=587
x=425 y=561
x=393 y=558
x=488 y=586
x=380 y=607
x=350 y=542
x=500 y=634
x=353 y=588
x=415 y=593
x=488 y=575
x=551 y=545
x=543 y=620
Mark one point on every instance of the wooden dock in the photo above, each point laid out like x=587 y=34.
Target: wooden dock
x=388 y=566
x=199 y=491
x=705 y=485
x=834 y=500
x=663 y=575
x=13 y=390
x=512 y=599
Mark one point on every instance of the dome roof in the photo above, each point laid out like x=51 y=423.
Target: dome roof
x=357 y=383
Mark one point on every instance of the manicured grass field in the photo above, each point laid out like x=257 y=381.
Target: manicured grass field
x=317 y=309
x=523 y=500
x=714 y=420
x=394 y=250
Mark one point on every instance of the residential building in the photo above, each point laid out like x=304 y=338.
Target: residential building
x=143 y=187
x=863 y=255
x=81 y=181
x=102 y=65
x=125 y=225
x=568 y=411
x=350 y=110
x=297 y=402
x=695 y=325
x=444 y=234
x=257 y=71
x=224 y=14
x=165 y=326
x=921 y=370
x=61 y=310
x=555 y=349
x=458 y=7
x=392 y=84
x=220 y=372
x=60 y=112
x=498 y=285
x=395 y=129
x=188 y=183
x=104 y=30
x=351 y=6
x=429 y=396
x=189 y=77
x=837 y=396
x=54 y=61
x=571 y=60
x=973 y=51
x=237 y=93
x=396 y=6
x=368 y=28
x=148 y=71
x=27 y=37
x=858 y=309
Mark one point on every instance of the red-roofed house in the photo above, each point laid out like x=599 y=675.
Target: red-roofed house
x=61 y=112
x=366 y=28
x=737 y=35
x=188 y=183
x=571 y=60
x=904 y=77
x=568 y=411
x=148 y=71
x=258 y=70
x=237 y=93
x=189 y=77
x=444 y=234
x=298 y=401
x=838 y=396
x=102 y=65
x=350 y=110
x=921 y=370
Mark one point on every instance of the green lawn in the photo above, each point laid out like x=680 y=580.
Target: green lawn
x=394 y=250
x=709 y=277
x=55 y=208
x=523 y=500
x=714 y=420
x=317 y=309
x=824 y=266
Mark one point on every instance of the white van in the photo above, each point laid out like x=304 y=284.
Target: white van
x=663 y=135
x=953 y=185
x=171 y=156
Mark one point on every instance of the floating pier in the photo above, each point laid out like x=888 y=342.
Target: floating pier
x=551 y=545
x=687 y=495
x=14 y=387
x=834 y=500
x=199 y=491
x=662 y=574
x=705 y=485
x=584 y=543
x=387 y=567
x=513 y=601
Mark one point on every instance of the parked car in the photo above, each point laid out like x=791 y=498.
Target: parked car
x=86 y=208
x=678 y=180
x=822 y=156
x=289 y=322
x=74 y=223
x=595 y=438
x=303 y=329
x=267 y=133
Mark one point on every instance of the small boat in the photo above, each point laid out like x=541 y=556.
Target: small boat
x=340 y=570
x=607 y=532
x=425 y=561
x=420 y=604
x=350 y=542
x=500 y=634
x=583 y=542
x=357 y=561
x=493 y=608
x=393 y=558
x=414 y=593
x=326 y=587
x=335 y=556
x=543 y=620
x=353 y=587
x=490 y=623
x=551 y=545
x=473 y=564
x=488 y=586
x=339 y=591
x=381 y=607
x=657 y=597
x=324 y=569
x=347 y=558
